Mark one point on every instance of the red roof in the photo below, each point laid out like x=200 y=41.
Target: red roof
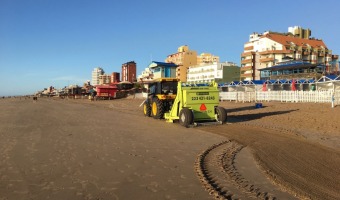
x=287 y=39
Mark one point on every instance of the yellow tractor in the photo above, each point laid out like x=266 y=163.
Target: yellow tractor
x=161 y=95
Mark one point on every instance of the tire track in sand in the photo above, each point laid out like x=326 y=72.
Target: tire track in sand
x=291 y=162
x=221 y=176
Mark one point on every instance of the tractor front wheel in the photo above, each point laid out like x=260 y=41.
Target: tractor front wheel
x=186 y=117
x=157 y=109
x=221 y=115
x=147 y=109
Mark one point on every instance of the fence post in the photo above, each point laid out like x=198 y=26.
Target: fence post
x=332 y=95
x=316 y=95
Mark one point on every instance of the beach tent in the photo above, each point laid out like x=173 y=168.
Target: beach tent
x=328 y=83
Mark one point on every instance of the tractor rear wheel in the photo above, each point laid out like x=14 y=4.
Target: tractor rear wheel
x=186 y=117
x=147 y=109
x=221 y=114
x=157 y=109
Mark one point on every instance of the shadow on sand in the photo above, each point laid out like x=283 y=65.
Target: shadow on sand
x=243 y=108
x=253 y=116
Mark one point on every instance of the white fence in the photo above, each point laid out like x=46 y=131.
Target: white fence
x=283 y=96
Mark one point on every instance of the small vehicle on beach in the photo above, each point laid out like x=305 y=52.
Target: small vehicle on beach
x=187 y=103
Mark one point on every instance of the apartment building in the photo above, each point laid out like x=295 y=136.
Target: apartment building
x=95 y=75
x=204 y=58
x=129 y=71
x=115 y=77
x=104 y=79
x=267 y=49
x=183 y=58
x=218 y=72
x=146 y=75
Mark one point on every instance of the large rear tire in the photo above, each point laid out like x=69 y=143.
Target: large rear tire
x=157 y=108
x=221 y=115
x=147 y=109
x=186 y=117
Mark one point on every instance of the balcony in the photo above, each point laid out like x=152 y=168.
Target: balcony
x=335 y=57
x=249 y=48
x=246 y=54
x=305 y=53
x=267 y=59
x=246 y=61
x=246 y=75
x=246 y=68
x=275 y=52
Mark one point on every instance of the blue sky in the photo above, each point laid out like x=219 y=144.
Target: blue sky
x=59 y=42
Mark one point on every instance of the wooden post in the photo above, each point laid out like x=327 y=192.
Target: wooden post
x=332 y=99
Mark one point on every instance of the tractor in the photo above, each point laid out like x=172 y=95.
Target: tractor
x=188 y=104
x=161 y=95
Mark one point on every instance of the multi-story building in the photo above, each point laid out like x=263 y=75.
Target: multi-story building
x=267 y=49
x=95 y=75
x=297 y=31
x=146 y=75
x=204 y=58
x=183 y=59
x=231 y=72
x=115 y=77
x=219 y=72
x=129 y=70
x=104 y=79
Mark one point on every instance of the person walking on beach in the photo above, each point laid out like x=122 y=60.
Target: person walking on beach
x=93 y=94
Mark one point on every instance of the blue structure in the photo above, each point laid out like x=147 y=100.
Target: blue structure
x=281 y=84
x=296 y=69
x=163 y=70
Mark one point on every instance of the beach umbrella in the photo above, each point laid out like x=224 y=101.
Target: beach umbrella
x=264 y=87
x=293 y=85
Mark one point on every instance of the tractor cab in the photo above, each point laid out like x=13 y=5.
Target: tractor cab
x=163 y=87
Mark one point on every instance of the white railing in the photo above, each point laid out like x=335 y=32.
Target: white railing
x=283 y=96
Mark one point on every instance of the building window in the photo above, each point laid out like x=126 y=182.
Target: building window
x=265 y=74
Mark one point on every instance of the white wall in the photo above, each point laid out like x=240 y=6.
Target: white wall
x=205 y=73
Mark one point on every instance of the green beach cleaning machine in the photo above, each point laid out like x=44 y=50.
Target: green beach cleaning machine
x=189 y=104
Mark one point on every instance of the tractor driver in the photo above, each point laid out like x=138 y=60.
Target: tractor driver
x=152 y=89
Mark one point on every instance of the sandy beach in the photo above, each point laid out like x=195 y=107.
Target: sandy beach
x=296 y=145
x=77 y=149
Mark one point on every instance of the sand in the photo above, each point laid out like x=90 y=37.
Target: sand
x=295 y=145
x=77 y=149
